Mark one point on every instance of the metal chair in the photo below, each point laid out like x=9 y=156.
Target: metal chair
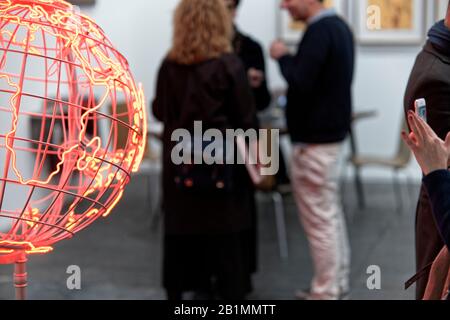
x=150 y=165
x=278 y=188
x=398 y=162
x=272 y=118
x=276 y=195
x=278 y=203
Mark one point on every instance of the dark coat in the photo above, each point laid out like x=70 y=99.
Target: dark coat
x=437 y=185
x=252 y=56
x=216 y=92
x=430 y=79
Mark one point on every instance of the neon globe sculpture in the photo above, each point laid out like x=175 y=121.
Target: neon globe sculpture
x=72 y=127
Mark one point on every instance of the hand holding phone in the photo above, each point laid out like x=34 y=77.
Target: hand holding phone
x=421 y=109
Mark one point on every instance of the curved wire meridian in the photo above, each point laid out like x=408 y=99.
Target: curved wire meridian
x=73 y=125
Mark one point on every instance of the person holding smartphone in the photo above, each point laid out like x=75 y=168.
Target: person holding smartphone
x=432 y=154
x=430 y=79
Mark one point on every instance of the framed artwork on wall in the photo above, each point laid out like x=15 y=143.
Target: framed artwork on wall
x=440 y=9
x=291 y=31
x=394 y=22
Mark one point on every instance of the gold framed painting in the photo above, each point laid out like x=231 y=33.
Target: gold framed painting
x=395 y=22
x=291 y=31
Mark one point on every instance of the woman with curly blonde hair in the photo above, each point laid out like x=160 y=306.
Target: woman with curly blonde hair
x=206 y=245
x=202 y=30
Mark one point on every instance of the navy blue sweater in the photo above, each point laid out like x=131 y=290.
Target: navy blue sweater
x=320 y=78
x=437 y=184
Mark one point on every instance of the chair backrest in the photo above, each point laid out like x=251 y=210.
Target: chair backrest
x=403 y=152
x=123 y=131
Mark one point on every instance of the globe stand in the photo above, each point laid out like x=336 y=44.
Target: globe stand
x=54 y=62
x=21 y=277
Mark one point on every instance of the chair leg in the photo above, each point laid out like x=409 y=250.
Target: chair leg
x=358 y=183
x=343 y=187
x=157 y=214
x=281 y=224
x=359 y=188
x=156 y=210
x=411 y=192
x=149 y=193
x=344 y=197
x=397 y=192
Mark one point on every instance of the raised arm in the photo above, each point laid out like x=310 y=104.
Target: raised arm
x=302 y=70
x=432 y=154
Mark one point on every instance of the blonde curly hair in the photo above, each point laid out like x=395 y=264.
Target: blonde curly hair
x=202 y=30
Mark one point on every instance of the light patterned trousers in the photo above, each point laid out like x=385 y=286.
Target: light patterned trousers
x=316 y=191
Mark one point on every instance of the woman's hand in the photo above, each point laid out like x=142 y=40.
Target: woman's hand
x=431 y=152
x=255 y=77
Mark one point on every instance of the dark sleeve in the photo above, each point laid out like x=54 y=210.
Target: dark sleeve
x=437 y=185
x=302 y=70
x=261 y=94
x=243 y=111
x=438 y=107
x=158 y=105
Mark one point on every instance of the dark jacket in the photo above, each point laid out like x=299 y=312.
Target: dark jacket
x=437 y=185
x=430 y=79
x=320 y=77
x=217 y=93
x=252 y=56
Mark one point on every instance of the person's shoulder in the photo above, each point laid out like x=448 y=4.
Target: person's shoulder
x=233 y=64
x=333 y=19
x=333 y=26
x=249 y=41
x=330 y=23
x=168 y=63
x=230 y=59
x=436 y=52
x=164 y=66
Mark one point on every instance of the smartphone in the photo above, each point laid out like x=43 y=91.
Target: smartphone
x=421 y=109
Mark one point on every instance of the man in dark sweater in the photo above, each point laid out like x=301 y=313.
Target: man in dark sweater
x=318 y=114
x=430 y=79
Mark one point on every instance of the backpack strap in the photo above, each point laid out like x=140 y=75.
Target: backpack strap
x=418 y=275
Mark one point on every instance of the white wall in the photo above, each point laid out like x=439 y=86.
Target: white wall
x=142 y=29
x=380 y=81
